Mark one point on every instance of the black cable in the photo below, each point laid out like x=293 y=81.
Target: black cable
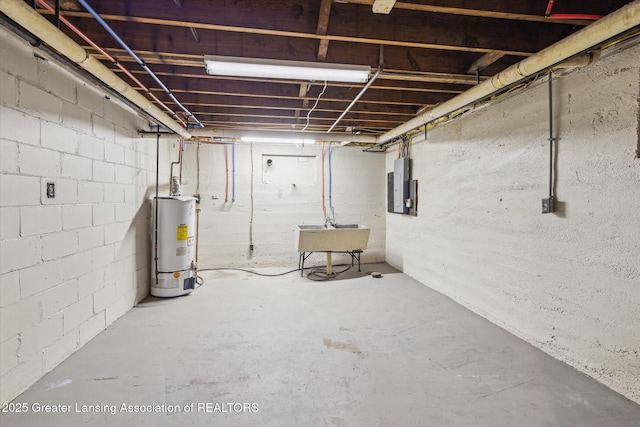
x=249 y=271
x=323 y=276
x=551 y=138
x=155 y=205
x=279 y=274
x=198 y=282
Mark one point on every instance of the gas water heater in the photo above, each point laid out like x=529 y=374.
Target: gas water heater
x=173 y=262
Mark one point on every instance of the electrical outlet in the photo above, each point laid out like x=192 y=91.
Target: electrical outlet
x=548 y=205
x=51 y=190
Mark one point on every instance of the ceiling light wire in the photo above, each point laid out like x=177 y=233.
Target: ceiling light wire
x=315 y=105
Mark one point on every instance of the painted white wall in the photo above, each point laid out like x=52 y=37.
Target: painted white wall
x=287 y=193
x=71 y=265
x=569 y=282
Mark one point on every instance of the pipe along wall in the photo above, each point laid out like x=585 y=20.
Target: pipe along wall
x=286 y=193
x=567 y=282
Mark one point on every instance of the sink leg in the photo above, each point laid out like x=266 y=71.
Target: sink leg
x=329 y=272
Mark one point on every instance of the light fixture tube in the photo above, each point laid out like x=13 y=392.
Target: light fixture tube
x=277 y=140
x=297 y=70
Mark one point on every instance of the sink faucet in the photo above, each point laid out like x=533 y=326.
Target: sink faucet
x=330 y=222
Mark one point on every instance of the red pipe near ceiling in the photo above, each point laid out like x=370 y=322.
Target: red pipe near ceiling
x=547 y=13
x=584 y=16
x=574 y=16
x=113 y=61
x=208 y=140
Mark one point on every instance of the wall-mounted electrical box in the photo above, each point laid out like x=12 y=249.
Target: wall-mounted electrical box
x=51 y=190
x=390 y=192
x=402 y=192
x=400 y=184
x=411 y=203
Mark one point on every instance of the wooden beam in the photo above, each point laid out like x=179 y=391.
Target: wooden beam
x=474 y=12
x=368 y=130
x=450 y=78
x=275 y=92
x=304 y=87
x=295 y=34
x=323 y=48
x=258 y=110
x=398 y=102
x=286 y=91
x=249 y=103
x=291 y=119
x=483 y=62
x=323 y=24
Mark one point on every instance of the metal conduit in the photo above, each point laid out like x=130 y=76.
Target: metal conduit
x=113 y=34
x=607 y=28
x=364 y=89
x=41 y=28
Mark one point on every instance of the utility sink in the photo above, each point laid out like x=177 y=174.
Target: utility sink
x=341 y=237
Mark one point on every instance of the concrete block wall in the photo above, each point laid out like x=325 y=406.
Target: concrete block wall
x=292 y=196
x=569 y=282
x=69 y=265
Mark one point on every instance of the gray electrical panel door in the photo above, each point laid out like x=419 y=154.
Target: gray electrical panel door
x=390 y=192
x=400 y=184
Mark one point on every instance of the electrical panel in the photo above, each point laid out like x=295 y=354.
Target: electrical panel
x=390 y=192
x=402 y=192
x=400 y=184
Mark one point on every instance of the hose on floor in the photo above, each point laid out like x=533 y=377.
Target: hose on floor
x=316 y=273
x=319 y=274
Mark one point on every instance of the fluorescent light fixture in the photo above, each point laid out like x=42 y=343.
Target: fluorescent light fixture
x=275 y=140
x=271 y=68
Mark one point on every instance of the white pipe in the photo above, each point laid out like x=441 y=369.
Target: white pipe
x=364 y=89
x=604 y=29
x=36 y=24
x=580 y=60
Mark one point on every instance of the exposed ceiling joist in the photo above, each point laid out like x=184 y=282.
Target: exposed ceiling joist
x=484 y=61
x=323 y=24
x=471 y=12
x=302 y=35
x=428 y=48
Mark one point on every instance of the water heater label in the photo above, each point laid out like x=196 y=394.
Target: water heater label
x=183 y=232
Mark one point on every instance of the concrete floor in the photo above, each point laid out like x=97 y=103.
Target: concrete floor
x=245 y=350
